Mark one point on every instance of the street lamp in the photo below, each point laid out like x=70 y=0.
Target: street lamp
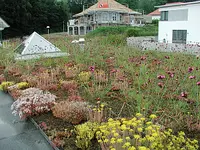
x=48 y=28
x=63 y=26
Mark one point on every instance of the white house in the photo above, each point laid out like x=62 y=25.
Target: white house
x=179 y=23
x=155 y=15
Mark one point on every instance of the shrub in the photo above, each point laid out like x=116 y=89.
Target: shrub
x=33 y=101
x=139 y=133
x=85 y=133
x=108 y=31
x=114 y=40
x=133 y=32
x=72 y=112
x=155 y=21
x=116 y=32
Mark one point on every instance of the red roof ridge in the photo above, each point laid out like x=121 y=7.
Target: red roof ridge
x=154 y=13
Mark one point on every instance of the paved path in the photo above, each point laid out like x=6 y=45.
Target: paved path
x=16 y=134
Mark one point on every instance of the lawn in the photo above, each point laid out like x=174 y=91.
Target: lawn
x=110 y=80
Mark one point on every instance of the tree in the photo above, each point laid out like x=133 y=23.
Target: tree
x=26 y=16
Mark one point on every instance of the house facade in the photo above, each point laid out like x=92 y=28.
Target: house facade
x=103 y=13
x=179 y=23
x=155 y=15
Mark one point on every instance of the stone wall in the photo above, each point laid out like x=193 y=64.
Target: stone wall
x=149 y=43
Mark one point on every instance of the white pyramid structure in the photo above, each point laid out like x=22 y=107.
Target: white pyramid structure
x=35 y=46
x=3 y=24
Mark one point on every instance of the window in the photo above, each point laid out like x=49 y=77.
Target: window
x=179 y=36
x=164 y=16
x=114 y=17
x=105 y=16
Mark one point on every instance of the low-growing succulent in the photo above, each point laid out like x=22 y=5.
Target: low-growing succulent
x=4 y=85
x=22 y=85
x=73 y=112
x=140 y=133
x=33 y=101
x=84 y=76
x=85 y=133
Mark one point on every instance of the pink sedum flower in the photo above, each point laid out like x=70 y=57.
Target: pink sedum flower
x=184 y=94
x=167 y=57
x=160 y=84
x=92 y=68
x=161 y=76
x=171 y=74
x=198 y=83
x=192 y=77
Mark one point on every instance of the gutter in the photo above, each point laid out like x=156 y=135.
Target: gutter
x=174 y=5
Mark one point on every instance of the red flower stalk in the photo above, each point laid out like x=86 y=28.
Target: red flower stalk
x=190 y=69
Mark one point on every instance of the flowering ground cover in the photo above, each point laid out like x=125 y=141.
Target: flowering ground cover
x=108 y=80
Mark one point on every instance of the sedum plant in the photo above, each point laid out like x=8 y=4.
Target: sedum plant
x=85 y=133
x=73 y=112
x=98 y=113
x=84 y=76
x=22 y=85
x=140 y=134
x=18 y=86
x=4 y=85
x=33 y=101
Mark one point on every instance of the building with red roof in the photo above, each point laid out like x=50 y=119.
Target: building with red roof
x=155 y=14
x=103 y=13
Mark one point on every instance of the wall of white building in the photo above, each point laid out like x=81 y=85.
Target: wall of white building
x=191 y=25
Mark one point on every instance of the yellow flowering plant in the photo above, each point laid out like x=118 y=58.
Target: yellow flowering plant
x=85 y=133
x=140 y=133
x=22 y=85
x=98 y=112
x=4 y=85
x=84 y=76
